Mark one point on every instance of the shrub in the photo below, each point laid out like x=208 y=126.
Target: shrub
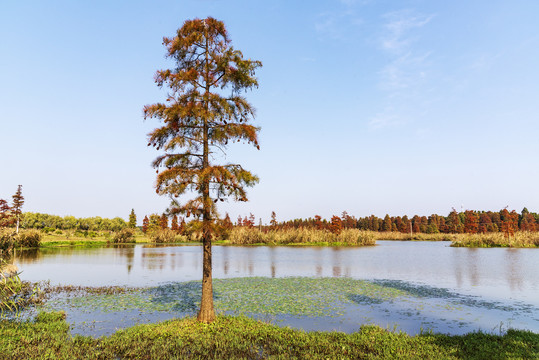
x=29 y=238
x=124 y=236
x=7 y=240
x=166 y=236
x=47 y=229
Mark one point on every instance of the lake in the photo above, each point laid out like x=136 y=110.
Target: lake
x=420 y=286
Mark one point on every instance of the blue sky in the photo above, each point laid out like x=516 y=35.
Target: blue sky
x=373 y=107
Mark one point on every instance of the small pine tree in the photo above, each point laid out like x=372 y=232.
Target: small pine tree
x=273 y=221
x=5 y=215
x=163 y=222
x=145 y=224
x=132 y=219
x=16 y=208
x=227 y=223
x=174 y=225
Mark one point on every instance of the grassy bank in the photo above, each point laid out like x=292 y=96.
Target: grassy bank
x=244 y=338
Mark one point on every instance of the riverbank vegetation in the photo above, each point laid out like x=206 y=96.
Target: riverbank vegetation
x=469 y=228
x=300 y=236
x=244 y=338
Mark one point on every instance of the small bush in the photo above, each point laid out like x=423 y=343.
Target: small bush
x=7 y=240
x=166 y=236
x=47 y=229
x=29 y=238
x=124 y=236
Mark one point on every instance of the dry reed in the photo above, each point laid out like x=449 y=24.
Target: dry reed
x=350 y=237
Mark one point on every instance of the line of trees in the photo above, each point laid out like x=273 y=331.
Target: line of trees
x=52 y=222
x=468 y=221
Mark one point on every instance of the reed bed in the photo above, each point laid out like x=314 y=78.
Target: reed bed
x=166 y=236
x=394 y=235
x=348 y=237
x=521 y=239
x=25 y=238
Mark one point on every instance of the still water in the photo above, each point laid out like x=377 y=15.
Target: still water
x=490 y=287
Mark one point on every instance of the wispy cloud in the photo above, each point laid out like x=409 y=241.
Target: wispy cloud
x=407 y=68
x=337 y=24
x=398 y=37
x=385 y=119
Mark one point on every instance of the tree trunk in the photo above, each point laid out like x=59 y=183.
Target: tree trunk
x=206 y=313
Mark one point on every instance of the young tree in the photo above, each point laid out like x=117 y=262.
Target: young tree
x=5 y=213
x=132 y=219
x=145 y=224
x=16 y=206
x=336 y=225
x=273 y=221
x=174 y=224
x=199 y=120
x=163 y=222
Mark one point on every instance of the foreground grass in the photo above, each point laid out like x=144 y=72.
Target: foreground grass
x=244 y=338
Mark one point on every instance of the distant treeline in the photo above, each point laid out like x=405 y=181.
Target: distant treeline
x=468 y=221
x=52 y=222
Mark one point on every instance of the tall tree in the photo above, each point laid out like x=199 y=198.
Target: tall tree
x=204 y=110
x=132 y=219
x=16 y=205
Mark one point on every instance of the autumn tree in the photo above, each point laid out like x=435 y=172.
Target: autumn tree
x=386 y=225
x=16 y=206
x=471 y=222
x=5 y=213
x=132 y=219
x=203 y=112
x=145 y=224
x=163 y=222
x=174 y=224
x=336 y=225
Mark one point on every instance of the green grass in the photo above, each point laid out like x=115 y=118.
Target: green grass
x=47 y=337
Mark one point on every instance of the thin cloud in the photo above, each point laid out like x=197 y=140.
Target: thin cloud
x=338 y=24
x=400 y=23
x=407 y=70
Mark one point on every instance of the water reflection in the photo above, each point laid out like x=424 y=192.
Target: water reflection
x=494 y=273
x=513 y=263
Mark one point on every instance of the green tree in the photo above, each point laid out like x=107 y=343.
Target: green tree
x=132 y=219
x=16 y=205
x=204 y=111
